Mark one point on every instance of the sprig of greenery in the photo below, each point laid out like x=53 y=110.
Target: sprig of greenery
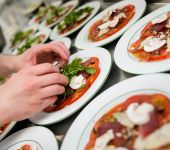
x=27 y=44
x=73 y=17
x=54 y=11
x=20 y=36
x=74 y=67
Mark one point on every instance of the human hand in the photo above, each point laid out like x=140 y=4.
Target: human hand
x=30 y=91
x=44 y=53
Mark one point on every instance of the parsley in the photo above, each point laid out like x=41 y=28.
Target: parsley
x=73 y=17
x=74 y=67
x=29 y=42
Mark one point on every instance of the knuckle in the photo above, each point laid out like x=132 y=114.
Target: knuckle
x=60 y=89
x=48 y=66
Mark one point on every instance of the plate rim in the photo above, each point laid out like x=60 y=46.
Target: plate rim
x=31 y=128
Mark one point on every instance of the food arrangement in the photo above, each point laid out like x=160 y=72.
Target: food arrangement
x=81 y=76
x=20 y=36
x=140 y=122
x=74 y=19
x=111 y=23
x=56 y=13
x=31 y=42
x=154 y=41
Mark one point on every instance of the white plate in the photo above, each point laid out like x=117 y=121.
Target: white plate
x=41 y=137
x=73 y=2
x=94 y=4
x=45 y=31
x=65 y=40
x=105 y=66
x=82 y=38
x=10 y=126
x=84 y=123
x=31 y=8
x=56 y=3
x=125 y=61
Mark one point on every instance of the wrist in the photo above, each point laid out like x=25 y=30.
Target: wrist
x=4 y=112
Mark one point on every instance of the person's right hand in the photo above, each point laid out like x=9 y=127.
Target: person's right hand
x=30 y=91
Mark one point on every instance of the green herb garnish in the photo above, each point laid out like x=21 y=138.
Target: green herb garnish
x=20 y=36
x=73 y=17
x=29 y=42
x=74 y=67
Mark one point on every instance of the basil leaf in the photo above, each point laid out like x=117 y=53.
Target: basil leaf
x=91 y=70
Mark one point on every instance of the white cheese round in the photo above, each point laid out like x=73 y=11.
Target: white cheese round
x=153 y=44
x=139 y=114
x=114 y=22
x=102 y=141
x=77 y=82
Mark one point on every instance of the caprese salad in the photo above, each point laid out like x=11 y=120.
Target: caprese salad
x=81 y=75
x=154 y=42
x=74 y=19
x=111 y=23
x=142 y=122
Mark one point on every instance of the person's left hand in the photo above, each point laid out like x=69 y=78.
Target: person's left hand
x=44 y=53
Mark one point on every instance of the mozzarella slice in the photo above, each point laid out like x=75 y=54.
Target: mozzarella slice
x=123 y=119
x=77 y=82
x=114 y=22
x=154 y=44
x=104 y=25
x=121 y=15
x=139 y=114
x=155 y=140
x=102 y=141
x=159 y=19
x=103 y=31
x=107 y=16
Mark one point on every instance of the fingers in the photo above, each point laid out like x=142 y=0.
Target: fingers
x=53 y=78
x=48 y=101
x=60 y=49
x=45 y=68
x=52 y=90
x=63 y=47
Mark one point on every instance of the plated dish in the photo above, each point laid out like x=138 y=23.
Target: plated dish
x=128 y=116
x=154 y=41
x=30 y=139
x=38 y=38
x=56 y=14
x=146 y=49
x=81 y=75
x=42 y=12
x=76 y=19
x=89 y=71
x=22 y=35
x=110 y=23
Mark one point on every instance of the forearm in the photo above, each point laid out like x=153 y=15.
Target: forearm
x=8 y=65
